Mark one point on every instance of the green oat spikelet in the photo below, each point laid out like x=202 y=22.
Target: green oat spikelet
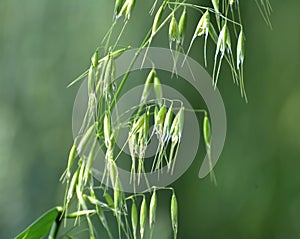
x=174 y=214
x=202 y=29
x=158 y=90
x=173 y=31
x=182 y=26
x=134 y=219
x=152 y=209
x=207 y=140
x=240 y=50
x=107 y=129
x=148 y=85
x=143 y=216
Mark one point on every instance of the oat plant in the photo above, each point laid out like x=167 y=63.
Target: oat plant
x=91 y=202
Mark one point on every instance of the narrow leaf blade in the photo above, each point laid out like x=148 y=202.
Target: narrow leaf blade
x=40 y=227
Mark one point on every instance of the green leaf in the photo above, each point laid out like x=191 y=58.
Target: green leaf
x=40 y=227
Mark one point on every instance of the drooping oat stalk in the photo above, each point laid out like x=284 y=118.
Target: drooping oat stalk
x=219 y=22
x=168 y=126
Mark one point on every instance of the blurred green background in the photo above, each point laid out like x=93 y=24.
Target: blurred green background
x=44 y=44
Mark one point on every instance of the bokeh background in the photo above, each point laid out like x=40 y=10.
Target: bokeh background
x=44 y=44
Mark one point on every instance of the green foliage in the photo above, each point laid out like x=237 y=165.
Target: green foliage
x=42 y=226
